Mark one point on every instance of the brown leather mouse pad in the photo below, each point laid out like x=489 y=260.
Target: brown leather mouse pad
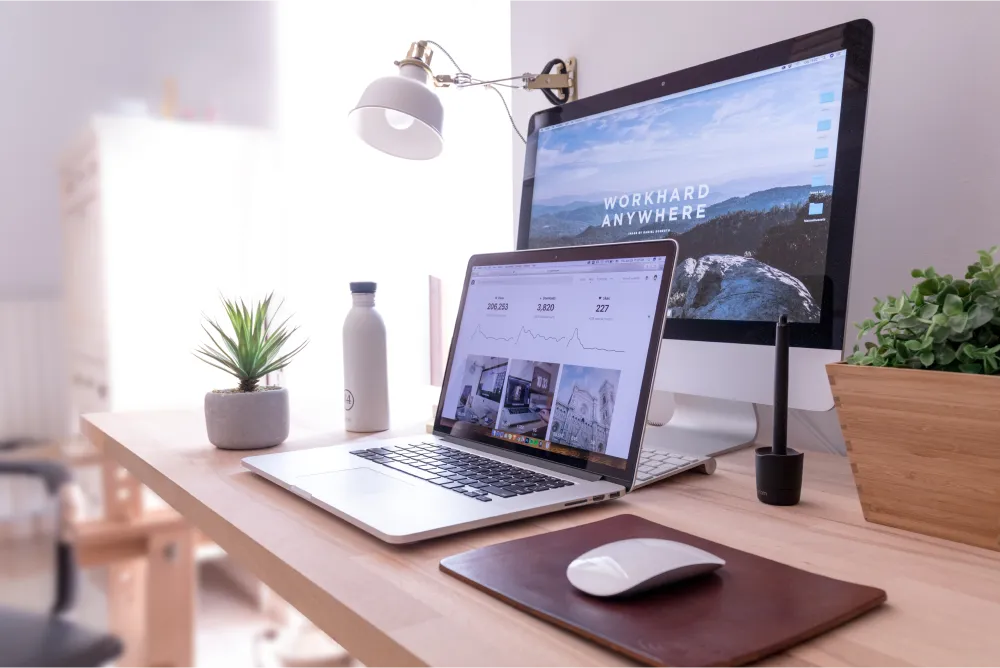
x=746 y=610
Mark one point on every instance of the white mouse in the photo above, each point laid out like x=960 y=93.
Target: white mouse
x=638 y=564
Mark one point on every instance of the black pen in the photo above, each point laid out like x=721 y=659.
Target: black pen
x=779 y=441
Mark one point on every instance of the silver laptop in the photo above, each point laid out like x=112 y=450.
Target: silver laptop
x=543 y=404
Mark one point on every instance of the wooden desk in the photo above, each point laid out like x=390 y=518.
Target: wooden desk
x=391 y=605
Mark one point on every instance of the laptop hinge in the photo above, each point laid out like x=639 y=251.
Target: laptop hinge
x=527 y=459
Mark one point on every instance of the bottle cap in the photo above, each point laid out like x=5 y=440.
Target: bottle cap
x=363 y=287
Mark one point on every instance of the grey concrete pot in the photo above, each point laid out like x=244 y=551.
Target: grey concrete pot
x=247 y=420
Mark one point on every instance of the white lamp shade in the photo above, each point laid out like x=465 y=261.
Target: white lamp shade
x=383 y=116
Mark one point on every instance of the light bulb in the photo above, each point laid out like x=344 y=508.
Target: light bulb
x=398 y=119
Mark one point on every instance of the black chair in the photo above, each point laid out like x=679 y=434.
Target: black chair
x=47 y=639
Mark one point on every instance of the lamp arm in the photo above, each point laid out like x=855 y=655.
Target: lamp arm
x=547 y=81
x=559 y=87
x=464 y=80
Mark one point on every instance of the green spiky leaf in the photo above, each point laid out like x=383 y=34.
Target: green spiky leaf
x=253 y=348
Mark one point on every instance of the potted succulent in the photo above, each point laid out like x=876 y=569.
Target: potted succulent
x=251 y=415
x=919 y=406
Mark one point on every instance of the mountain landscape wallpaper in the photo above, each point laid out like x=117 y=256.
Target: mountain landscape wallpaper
x=741 y=175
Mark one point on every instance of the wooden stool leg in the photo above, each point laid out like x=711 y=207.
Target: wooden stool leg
x=170 y=600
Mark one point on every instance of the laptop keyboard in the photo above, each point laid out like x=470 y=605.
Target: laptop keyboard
x=474 y=476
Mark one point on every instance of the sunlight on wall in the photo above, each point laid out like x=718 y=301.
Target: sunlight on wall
x=354 y=213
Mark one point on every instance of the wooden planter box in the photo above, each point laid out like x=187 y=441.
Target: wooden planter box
x=924 y=448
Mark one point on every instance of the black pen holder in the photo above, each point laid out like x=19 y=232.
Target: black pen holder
x=779 y=477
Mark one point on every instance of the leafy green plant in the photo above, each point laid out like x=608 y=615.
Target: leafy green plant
x=944 y=323
x=254 y=349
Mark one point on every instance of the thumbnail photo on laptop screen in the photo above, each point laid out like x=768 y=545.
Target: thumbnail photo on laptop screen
x=551 y=356
x=739 y=172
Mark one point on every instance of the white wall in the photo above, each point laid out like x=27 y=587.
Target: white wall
x=60 y=62
x=931 y=159
x=355 y=214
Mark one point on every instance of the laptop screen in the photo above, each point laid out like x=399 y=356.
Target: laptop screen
x=551 y=356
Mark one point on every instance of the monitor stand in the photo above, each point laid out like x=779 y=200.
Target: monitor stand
x=700 y=425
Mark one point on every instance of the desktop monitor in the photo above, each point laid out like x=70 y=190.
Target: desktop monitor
x=752 y=164
x=491 y=381
x=517 y=392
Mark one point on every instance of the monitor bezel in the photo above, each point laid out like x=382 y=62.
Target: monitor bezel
x=652 y=248
x=856 y=38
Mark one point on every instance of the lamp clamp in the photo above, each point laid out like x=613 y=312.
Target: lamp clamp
x=554 y=80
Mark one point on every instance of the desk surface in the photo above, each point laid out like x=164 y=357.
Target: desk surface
x=391 y=605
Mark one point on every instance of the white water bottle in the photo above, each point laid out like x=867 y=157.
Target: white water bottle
x=366 y=379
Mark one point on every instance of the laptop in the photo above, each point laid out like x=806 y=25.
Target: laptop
x=542 y=408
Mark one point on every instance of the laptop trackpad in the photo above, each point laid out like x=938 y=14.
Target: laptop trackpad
x=351 y=482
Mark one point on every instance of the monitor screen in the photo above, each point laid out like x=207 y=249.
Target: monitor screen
x=558 y=351
x=740 y=172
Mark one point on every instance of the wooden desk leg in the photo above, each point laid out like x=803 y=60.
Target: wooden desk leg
x=170 y=598
x=151 y=602
x=126 y=604
x=122 y=492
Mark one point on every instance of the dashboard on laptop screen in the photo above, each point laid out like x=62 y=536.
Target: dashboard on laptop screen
x=551 y=356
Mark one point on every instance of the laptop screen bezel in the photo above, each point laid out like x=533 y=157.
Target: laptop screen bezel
x=666 y=248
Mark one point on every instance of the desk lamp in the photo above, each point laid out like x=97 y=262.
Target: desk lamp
x=402 y=116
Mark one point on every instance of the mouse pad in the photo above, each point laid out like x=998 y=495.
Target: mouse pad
x=748 y=609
